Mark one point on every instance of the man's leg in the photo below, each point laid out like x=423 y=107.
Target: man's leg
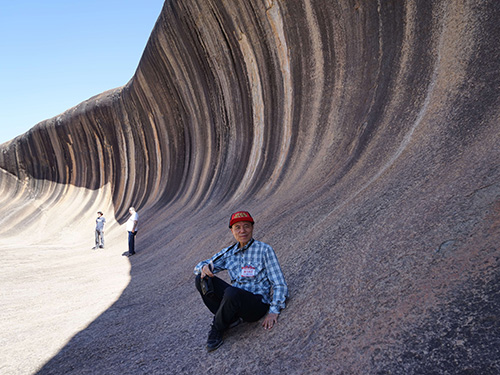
x=101 y=234
x=238 y=303
x=131 y=243
x=96 y=239
x=213 y=300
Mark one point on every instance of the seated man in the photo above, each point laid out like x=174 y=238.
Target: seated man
x=254 y=270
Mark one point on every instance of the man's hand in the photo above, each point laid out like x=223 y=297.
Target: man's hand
x=205 y=271
x=270 y=320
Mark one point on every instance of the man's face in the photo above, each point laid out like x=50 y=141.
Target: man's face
x=242 y=231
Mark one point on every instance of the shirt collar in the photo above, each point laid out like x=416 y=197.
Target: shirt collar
x=244 y=247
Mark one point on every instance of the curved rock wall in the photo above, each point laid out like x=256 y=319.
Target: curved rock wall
x=364 y=138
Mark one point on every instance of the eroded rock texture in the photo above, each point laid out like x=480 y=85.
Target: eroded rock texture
x=364 y=138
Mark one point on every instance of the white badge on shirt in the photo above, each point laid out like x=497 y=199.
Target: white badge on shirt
x=247 y=271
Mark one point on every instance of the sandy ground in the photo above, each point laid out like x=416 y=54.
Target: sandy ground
x=53 y=288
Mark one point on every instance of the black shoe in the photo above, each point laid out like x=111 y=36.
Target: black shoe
x=101 y=247
x=214 y=339
x=94 y=248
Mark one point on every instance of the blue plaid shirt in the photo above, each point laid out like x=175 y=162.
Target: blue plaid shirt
x=265 y=271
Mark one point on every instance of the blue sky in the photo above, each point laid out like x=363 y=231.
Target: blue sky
x=56 y=54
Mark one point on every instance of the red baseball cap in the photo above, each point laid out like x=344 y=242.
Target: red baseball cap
x=240 y=216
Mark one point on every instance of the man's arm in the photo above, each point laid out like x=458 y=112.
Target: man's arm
x=280 y=289
x=217 y=261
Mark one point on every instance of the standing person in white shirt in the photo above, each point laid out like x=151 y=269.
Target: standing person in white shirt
x=99 y=231
x=132 y=225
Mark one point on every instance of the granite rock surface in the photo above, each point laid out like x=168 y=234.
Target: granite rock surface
x=364 y=138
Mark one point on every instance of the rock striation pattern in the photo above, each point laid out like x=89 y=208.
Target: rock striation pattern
x=362 y=135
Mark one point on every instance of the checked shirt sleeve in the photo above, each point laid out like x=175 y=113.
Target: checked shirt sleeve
x=275 y=275
x=217 y=259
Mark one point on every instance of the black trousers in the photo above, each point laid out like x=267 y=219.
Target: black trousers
x=229 y=303
x=131 y=242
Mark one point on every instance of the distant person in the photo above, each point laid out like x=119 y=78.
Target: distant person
x=132 y=225
x=99 y=231
x=254 y=270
